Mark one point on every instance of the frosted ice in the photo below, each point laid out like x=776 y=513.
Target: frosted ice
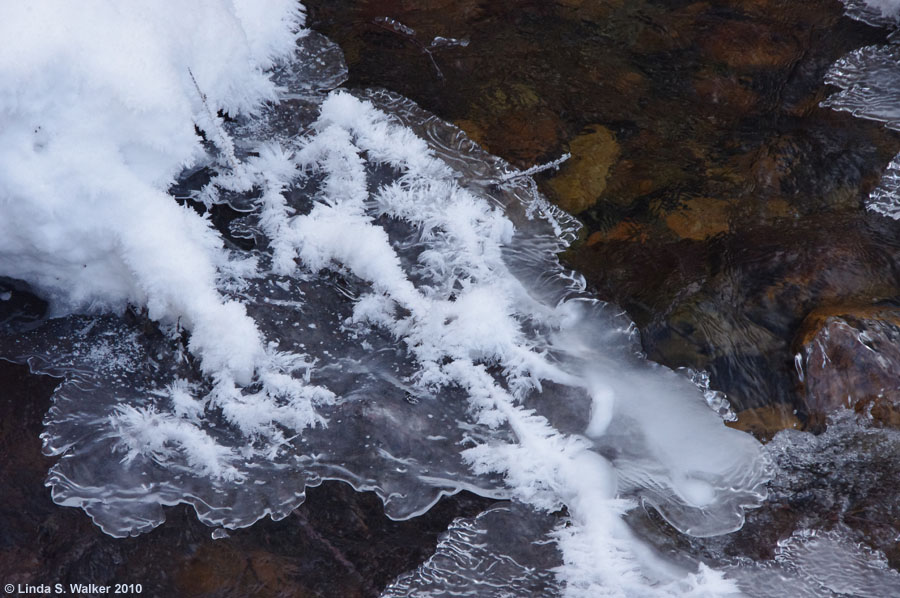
x=500 y=351
x=98 y=105
x=397 y=318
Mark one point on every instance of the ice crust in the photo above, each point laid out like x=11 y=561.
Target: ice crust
x=869 y=82
x=853 y=458
x=397 y=318
x=877 y=13
x=492 y=555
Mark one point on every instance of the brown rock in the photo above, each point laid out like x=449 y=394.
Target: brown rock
x=765 y=422
x=701 y=218
x=849 y=357
x=583 y=178
x=591 y=9
x=516 y=122
x=623 y=231
x=726 y=91
x=526 y=135
x=474 y=131
x=751 y=45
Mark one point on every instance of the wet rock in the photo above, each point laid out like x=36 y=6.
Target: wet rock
x=701 y=218
x=475 y=131
x=765 y=422
x=590 y=10
x=748 y=44
x=732 y=304
x=849 y=357
x=225 y=571
x=623 y=231
x=731 y=91
x=525 y=133
x=515 y=118
x=23 y=401
x=582 y=179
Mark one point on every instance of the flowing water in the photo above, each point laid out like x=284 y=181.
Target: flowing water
x=440 y=346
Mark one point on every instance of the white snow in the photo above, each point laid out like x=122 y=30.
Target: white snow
x=98 y=104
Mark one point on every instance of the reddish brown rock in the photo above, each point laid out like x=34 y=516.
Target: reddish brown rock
x=849 y=357
x=526 y=134
x=700 y=218
x=729 y=91
x=765 y=422
x=623 y=231
x=590 y=10
x=752 y=45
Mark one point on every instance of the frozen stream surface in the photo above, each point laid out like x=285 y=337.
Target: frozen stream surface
x=408 y=330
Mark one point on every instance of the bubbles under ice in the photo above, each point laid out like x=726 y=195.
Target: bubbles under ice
x=716 y=399
x=418 y=338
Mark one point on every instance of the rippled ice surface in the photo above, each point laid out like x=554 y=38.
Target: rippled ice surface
x=819 y=565
x=440 y=346
x=878 y=13
x=869 y=79
x=492 y=555
x=853 y=459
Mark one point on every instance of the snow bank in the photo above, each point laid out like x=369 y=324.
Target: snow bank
x=98 y=106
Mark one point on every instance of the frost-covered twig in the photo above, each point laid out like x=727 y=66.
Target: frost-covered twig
x=553 y=165
x=223 y=140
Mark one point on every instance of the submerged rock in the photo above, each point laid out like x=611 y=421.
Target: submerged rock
x=582 y=179
x=732 y=304
x=849 y=357
x=765 y=422
x=701 y=218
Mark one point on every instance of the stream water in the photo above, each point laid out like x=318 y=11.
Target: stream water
x=440 y=346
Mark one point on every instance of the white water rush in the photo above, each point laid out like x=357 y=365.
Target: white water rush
x=382 y=305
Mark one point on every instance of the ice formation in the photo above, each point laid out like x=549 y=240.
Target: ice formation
x=877 y=13
x=869 y=82
x=388 y=310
